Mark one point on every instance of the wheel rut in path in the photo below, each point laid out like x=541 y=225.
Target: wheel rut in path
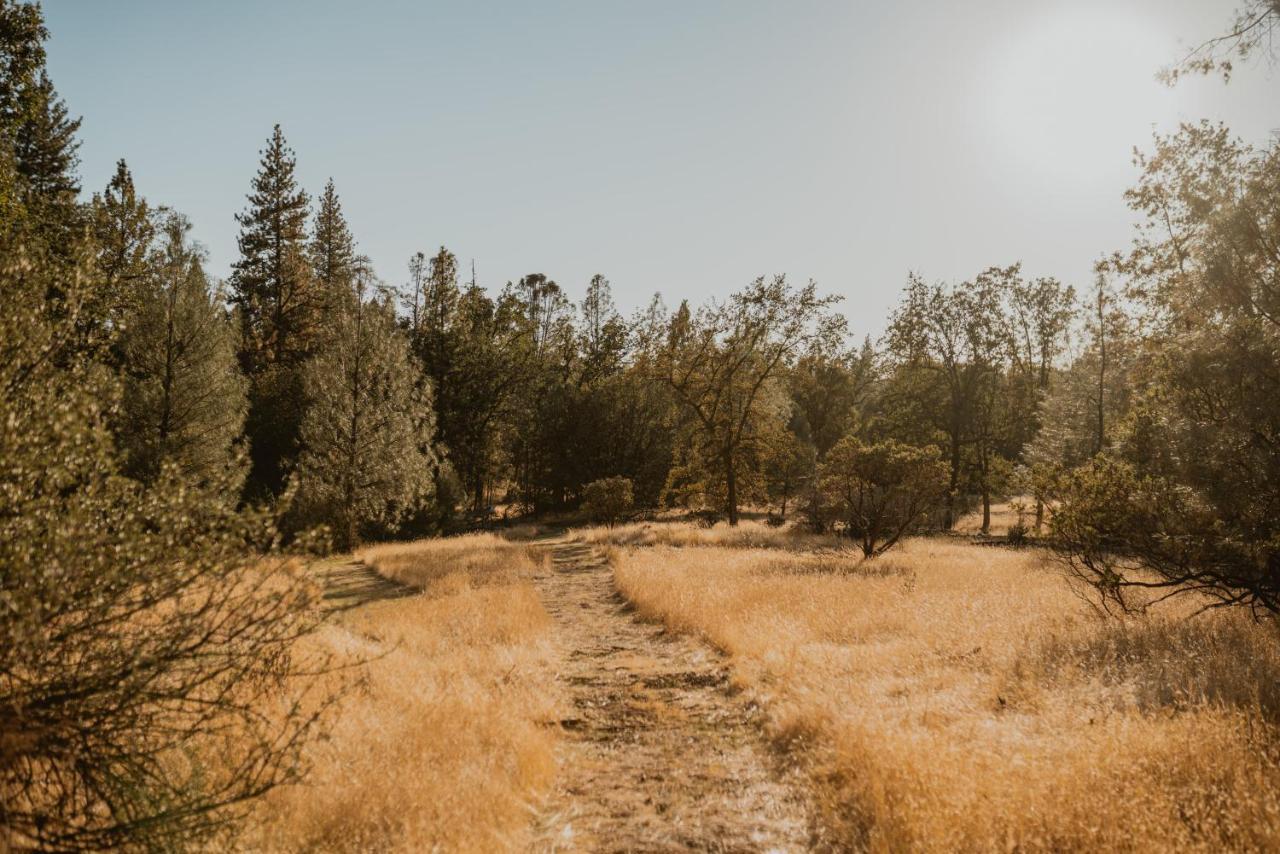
x=659 y=752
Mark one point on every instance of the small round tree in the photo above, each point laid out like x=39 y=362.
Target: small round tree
x=607 y=500
x=881 y=491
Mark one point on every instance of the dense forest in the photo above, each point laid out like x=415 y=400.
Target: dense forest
x=158 y=425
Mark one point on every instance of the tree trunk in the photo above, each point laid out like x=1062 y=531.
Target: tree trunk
x=1039 y=514
x=949 y=520
x=731 y=489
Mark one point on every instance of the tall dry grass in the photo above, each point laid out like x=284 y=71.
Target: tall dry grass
x=747 y=535
x=444 y=746
x=954 y=697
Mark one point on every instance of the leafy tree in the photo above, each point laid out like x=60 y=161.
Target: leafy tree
x=367 y=458
x=608 y=500
x=881 y=491
x=789 y=464
x=279 y=304
x=184 y=396
x=720 y=363
x=1192 y=493
x=831 y=394
x=602 y=334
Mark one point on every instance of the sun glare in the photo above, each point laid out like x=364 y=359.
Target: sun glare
x=1074 y=91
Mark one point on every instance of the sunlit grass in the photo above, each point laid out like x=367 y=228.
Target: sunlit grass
x=954 y=697
x=444 y=747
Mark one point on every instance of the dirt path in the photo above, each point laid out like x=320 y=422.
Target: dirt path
x=659 y=752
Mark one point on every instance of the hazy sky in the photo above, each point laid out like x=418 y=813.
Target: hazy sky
x=680 y=147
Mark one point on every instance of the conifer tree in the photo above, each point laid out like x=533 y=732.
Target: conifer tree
x=366 y=458
x=46 y=147
x=184 y=396
x=123 y=231
x=277 y=298
x=333 y=250
x=272 y=280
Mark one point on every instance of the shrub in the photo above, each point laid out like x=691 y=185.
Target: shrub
x=140 y=642
x=608 y=500
x=881 y=491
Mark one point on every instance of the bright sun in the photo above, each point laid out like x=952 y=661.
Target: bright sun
x=1073 y=91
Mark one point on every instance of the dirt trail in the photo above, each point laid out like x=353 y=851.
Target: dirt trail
x=659 y=751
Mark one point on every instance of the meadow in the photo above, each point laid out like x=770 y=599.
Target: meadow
x=948 y=696
x=441 y=742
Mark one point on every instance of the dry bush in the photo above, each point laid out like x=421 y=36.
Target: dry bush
x=746 y=535
x=962 y=698
x=446 y=746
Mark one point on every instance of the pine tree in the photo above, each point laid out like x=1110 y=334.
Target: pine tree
x=333 y=250
x=279 y=305
x=46 y=147
x=272 y=281
x=366 y=456
x=184 y=396
x=123 y=231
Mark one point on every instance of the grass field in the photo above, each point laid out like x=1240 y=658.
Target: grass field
x=948 y=696
x=442 y=745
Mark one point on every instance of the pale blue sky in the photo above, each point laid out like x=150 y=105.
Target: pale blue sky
x=680 y=147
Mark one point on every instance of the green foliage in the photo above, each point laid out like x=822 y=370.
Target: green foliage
x=881 y=491
x=184 y=397
x=608 y=500
x=1193 y=491
x=133 y=634
x=723 y=363
x=332 y=250
x=279 y=305
x=367 y=459
x=970 y=365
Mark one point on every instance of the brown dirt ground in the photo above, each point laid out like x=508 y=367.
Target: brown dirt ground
x=660 y=751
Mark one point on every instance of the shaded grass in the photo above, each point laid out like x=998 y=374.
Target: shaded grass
x=963 y=698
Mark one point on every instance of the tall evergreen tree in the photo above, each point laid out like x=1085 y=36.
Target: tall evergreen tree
x=333 y=249
x=279 y=304
x=367 y=459
x=272 y=281
x=47 y=158
x=184 y=396
x=122 y=231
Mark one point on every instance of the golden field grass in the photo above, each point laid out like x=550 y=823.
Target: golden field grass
x=954 y=697
x=748 y=534
x=1003 y=516
x=443 y=743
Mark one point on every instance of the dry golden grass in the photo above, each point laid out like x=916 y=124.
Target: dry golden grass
x=747 y=535
x=955 y=697
x=444 y=746
x=1003 y=516
x=480 y=558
